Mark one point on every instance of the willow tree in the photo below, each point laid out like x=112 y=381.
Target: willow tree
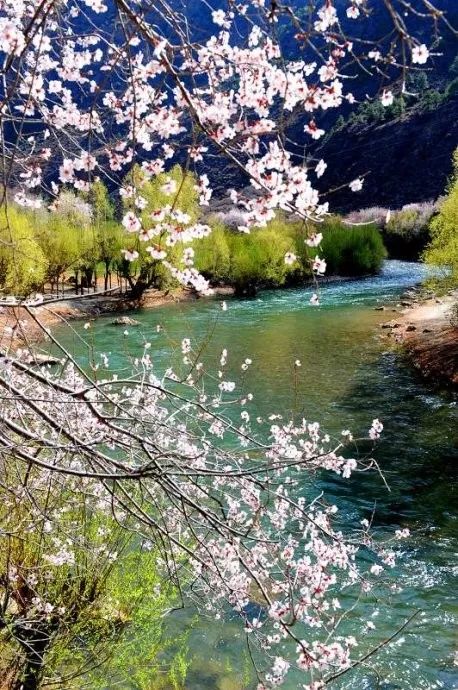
x=23 y=264
x=169 y=199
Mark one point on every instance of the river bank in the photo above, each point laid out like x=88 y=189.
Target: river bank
x=428 y=334
x=422 y=326
x=21 y=326
x=346 y=378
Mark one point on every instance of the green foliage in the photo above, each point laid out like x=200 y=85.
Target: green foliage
x=417 y=81
x=443 y=248
x=250 y=261
x=99 y=200
x=213 y=256
x=146 y=272
x=246 y=261
x=67 y=235
x=407 y=232
x=58 y=240
x=185 y=198
x=105 y=593
x=259 y=257
x=431 y=99
x=22 y=262
x=350 y=251
x=127 y=630
x=368 y=112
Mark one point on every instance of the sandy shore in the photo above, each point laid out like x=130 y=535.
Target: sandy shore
x=428 y=333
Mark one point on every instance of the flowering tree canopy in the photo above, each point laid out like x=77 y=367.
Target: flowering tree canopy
x=89 y=88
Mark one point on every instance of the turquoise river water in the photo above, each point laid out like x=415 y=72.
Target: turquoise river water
x=348 y=376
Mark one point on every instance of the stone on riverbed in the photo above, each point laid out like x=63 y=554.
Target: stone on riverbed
x=391 y=324
x=125 y=321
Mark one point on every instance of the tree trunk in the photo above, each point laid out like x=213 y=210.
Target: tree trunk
x=107 y=271
x=35 y=642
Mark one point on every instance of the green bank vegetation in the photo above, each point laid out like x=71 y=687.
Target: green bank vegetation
x=442 y=251
x=81 y=239
x=82 y=598
x=405 y=231
x=250 y=261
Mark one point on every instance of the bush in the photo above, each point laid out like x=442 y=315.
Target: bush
x=213 y=257
x=250 y=261
x=350 y=251
x=407 y=232
x=258 y=259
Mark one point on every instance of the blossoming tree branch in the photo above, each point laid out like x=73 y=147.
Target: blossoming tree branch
x=119 y=91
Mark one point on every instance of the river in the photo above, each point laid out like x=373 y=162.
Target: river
x=347 y=377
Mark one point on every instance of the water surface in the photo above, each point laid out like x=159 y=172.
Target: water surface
x=347 y=377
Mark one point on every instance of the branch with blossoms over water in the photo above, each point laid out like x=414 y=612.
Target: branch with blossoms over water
x=227 y=499
x=90 y=88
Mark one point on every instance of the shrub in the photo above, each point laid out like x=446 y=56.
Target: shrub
x=350 y=251
x=258 y=259
x=250 y=261
x=213 y=257
x=365 y=216
x=407 y=232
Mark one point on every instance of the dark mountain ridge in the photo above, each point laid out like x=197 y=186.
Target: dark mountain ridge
x=404 y=160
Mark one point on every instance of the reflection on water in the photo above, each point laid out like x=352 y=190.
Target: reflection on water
x=346 y=379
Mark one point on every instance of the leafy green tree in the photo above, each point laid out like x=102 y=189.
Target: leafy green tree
x=258 y=259
x=431 y=99
x=443 y=248
x=58 y=241
x=110 y=238
x=146 y=272
x=23 y=263
x=67 y=238
x=418 y=82
x=107 y=232
x=99 y=200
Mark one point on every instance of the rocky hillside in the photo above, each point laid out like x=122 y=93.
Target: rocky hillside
x=405 y=160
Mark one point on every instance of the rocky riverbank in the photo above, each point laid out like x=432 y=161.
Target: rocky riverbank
x=427 y=331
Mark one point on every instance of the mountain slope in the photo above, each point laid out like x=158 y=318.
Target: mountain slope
x=406 y=160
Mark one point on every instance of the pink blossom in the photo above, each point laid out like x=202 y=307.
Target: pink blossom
x=420 y=54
